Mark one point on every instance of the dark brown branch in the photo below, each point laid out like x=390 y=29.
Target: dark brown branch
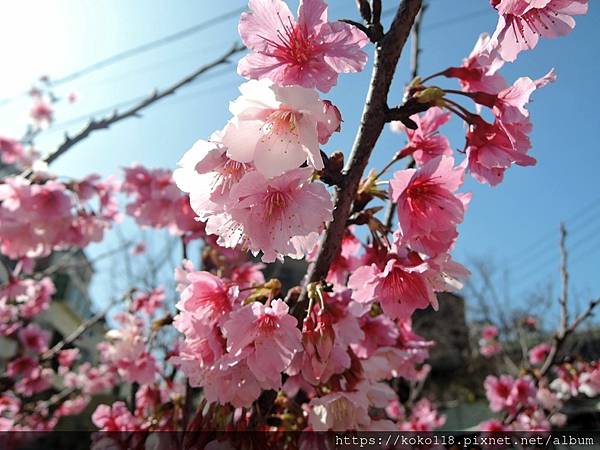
x=134 y=111
x=374 y=117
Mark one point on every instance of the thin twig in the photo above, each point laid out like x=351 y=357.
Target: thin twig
x=134 y=111
x=564 y=277
x=82 y=328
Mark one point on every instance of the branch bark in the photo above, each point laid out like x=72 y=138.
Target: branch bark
x=374 y=117
x=134 y=111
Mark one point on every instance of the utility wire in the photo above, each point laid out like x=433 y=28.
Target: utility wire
x=118 y=57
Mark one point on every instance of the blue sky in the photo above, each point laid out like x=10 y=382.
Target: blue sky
x=515 y=225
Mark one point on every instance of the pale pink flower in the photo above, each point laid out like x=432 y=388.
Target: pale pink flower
x=208 y=174
x=522 y=22
x=267 y=337
x=479 y=70
x=339 y=411
x=538 y=354
x=397 y=283
x=236 y=385
x=310 y=52
x=425 y=143
x=428 y=208
x=282 y=216
x=33 y=338
x=277 y=128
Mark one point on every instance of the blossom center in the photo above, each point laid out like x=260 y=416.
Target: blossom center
x=267 y=323
x=281 y=122
x=275 y=202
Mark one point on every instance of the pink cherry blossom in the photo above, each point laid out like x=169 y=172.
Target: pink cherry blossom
x=267 y=337
x=125 y=350
x=479 y=70
x=489 y=349
x=115 y=418
x=489 y=332
x=42 y=113
x=67 y=357
x=538 y=354
x=424 y=417
x=498 y=391
x=522 y=22
x=428 y=208
x=278 y=128
x=11 y=150
x=33 y=338
x=157 y=202
x=51 y=216
x=149 y=301
x=310 y=52
x=327 y=335
x=339 y=411
x=397 y=283
x=207 y=297
x=491 y=149
x=282 y=216
x=208 y=174
x=508 y=105
x=425 y=143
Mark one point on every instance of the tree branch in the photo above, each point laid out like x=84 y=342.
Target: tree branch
x=106 y=122
x=374 y=117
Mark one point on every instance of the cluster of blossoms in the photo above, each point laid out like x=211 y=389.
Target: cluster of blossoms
x=43 y=215
x=252 y=181
x=235 y=346
x=535 y=405
x=157 y=203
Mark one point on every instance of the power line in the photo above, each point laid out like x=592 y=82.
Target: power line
x=111 y=60
x=107 y=109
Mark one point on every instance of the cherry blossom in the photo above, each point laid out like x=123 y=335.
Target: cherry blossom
x=425 y=143
x=272 y=214
x=538 y=354
x=522 y=22
x=277 y=128
x=33 y=338
x=478 y=72
x=310 y=52
x=266 y=337
x=428 y=208
x=493 y=148
x=397 y=283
